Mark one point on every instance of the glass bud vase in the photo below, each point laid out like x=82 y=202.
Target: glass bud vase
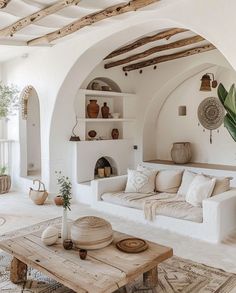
x=64 y=226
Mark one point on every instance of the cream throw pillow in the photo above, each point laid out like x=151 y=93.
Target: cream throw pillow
x=141 y=181
x=168 y=180
x=200 y=189
x=187 y=179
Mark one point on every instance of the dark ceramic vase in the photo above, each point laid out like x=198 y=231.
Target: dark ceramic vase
x=93 y=109
x=115 y=133
x=105 y=110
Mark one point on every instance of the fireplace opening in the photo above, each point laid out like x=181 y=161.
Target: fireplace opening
x=105 y=167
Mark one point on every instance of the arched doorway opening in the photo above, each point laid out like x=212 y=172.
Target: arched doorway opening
x=30 y=137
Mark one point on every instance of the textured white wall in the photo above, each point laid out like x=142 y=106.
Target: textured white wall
x=173 y=128
x=58 y=72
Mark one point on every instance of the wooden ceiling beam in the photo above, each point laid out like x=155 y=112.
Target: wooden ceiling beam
x=177 y=44
x=91 y=19
x=170 y=57
x=31 y=19
x=145 y=40
x=3 y=3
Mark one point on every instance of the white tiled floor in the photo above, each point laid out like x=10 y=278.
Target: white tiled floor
x=19 y=212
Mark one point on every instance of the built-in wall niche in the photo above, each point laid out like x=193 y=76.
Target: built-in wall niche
x=107 y=165
x=122 y=112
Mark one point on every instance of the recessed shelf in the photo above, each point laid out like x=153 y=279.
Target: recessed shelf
x=106 y=120
x=195 y=165
x=107 y=94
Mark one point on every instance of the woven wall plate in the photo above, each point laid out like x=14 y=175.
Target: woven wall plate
x=211 y=113
x=132 y=245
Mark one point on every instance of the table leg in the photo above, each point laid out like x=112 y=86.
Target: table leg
x=150 y=278
x=18 y=271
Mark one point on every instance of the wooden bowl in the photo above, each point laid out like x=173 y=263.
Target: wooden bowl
x=91 y=233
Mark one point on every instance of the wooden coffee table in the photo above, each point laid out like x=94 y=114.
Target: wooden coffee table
x=104 y=270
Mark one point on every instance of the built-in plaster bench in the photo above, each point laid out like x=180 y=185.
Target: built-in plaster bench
x=212 y=222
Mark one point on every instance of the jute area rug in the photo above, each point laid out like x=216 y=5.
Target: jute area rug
x=175 y=275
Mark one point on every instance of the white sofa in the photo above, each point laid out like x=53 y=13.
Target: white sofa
x=218 y=212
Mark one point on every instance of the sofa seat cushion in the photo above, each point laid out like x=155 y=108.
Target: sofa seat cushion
x=166 y=204
x=127 y=199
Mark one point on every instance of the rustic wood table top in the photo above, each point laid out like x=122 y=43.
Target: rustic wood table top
x=104 y=270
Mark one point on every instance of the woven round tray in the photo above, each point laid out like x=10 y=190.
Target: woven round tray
x=132 y=245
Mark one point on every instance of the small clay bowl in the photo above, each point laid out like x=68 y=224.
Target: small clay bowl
x=68 y=244
x=82 y=253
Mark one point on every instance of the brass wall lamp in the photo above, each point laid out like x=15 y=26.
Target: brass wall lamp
x=206 y=83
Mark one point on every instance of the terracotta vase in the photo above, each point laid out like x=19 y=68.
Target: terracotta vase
x=58 y=200
x=115 y=133
x=181 y=152
x=105 y=110
x=93 y=109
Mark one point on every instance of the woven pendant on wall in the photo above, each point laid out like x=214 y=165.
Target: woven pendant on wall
x=211 y=114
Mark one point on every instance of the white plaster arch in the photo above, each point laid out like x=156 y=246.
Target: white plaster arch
x=101 y=47
x=157 y=102
x=29 y=133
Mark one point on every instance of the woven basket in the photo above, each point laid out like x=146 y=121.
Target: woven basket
x=5 y=183
x=40 y=195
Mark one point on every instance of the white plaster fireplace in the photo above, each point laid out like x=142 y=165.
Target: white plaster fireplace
x=119 y=151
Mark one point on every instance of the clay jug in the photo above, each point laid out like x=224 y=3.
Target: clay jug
x=105 y=110
x=181 y=152
x=93 y=109
x=115 y=133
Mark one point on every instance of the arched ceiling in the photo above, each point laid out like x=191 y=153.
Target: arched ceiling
x=25 y=23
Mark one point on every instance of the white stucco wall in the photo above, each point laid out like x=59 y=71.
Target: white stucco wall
x=170 y=127
x=58 y=72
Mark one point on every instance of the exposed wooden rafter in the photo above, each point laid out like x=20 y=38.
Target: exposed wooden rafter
x=30 y=19
x=165 y=58
x=3 y=3
x=177 y=44
x=145 y=40
x=91 y=19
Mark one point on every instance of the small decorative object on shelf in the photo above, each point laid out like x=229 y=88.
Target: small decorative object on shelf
x=105 y=110
x=83 y=253
x=50 y=235
x=96 y=86
x=115 y=133
x=91 y=233
x=68 y=244
x=39 y=195
x=181 y=152
x=58 y=200
x=92 y=134
x=101 y=172
x=5 y=180
x=92 y=109
x=65 y=192
x=106 y=88
x=74 y=137
x=115 y=115
x=107 y=171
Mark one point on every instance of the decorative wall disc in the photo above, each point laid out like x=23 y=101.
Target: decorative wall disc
x=211 y=113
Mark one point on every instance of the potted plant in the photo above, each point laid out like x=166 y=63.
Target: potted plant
x=9 y=103
x=228 y=100
x=5 y=180
x=65 y=192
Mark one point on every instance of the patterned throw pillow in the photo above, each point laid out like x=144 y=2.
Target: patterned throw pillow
x=141 y=181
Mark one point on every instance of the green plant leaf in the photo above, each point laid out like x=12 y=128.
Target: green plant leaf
x=222 y=93
x=230 y=100
x=230 y=125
